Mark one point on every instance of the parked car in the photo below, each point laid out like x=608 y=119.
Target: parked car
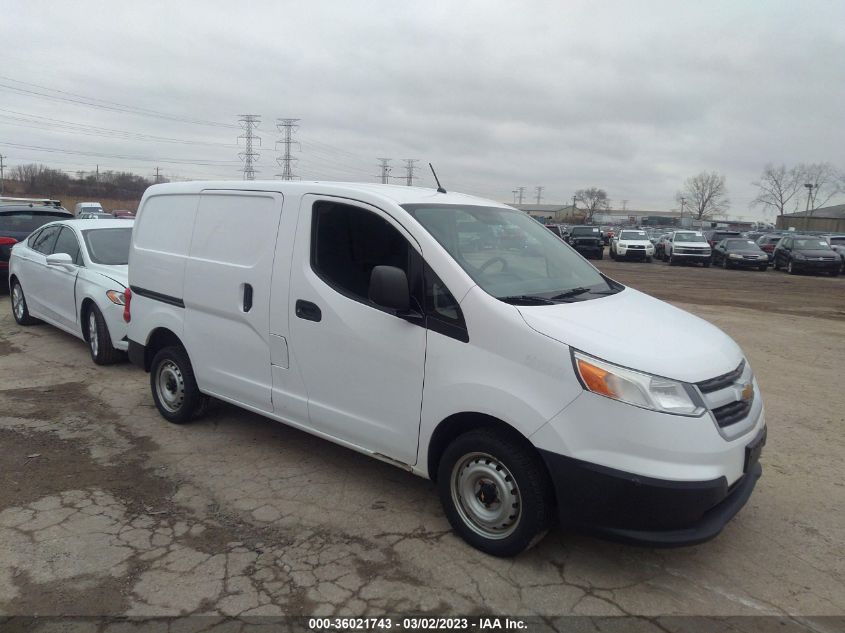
x=687 y=246
x=587 y=240
x=837 y=243
x=717 y=235
x=88 y=207
x=124 y=214
x=557 y=229
x=94 y=215
x=806 y=253
x=740 y=253
x=351 y=311
x=768 y=242
x=73 y=274
x=631 y=244
x=660 y=245
x=18 y=218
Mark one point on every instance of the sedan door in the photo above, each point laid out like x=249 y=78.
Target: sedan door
x=60 y=282
x=32 y=269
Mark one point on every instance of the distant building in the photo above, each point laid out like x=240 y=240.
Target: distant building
x=554 y=213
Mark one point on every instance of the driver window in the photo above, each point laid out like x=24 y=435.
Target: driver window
x=67 y=243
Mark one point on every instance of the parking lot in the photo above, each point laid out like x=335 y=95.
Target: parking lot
x=108 y=509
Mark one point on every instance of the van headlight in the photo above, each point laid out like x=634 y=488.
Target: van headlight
x=636 y=388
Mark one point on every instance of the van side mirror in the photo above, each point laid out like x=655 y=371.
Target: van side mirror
x=389 y=288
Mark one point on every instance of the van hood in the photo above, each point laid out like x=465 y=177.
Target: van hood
x=637 y=331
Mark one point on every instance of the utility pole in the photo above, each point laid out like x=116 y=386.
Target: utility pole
x=2 y=175
x=249 y=123
x=385 y=170
x=574 y=208
x=624 y=205
x=409 y=170
x=514 y=192
x=521 y=192
x=157 y=176
x=287 y=127
x=539 y=191
x=809 y=186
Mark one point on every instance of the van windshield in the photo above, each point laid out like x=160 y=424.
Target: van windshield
x=510 y=255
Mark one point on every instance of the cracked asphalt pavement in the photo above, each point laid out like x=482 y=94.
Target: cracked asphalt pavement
x=106 y=509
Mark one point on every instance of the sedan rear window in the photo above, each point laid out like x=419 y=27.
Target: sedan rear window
x=108 y=246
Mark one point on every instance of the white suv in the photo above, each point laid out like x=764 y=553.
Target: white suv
x=404 y=323
x=631 y=244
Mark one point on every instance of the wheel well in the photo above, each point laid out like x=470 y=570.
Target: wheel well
x=458 y=424
x=83 y=314
x=159 y=339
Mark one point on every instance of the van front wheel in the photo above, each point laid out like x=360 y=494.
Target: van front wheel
x=175 y=391
x=496 y=492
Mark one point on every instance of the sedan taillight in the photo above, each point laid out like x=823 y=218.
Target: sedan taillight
x=127 y=299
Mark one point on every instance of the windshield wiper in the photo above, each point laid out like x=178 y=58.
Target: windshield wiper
x=574 y=292
x=526 y=299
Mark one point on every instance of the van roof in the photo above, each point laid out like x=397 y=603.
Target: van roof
x=395 y=193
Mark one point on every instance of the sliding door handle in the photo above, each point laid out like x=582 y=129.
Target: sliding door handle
x=247 y=297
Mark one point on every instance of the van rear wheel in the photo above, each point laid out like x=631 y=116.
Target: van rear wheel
x=175 y=391
x=496 y=492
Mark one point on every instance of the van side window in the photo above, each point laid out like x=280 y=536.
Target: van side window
x=347 y=242
x=442 y=310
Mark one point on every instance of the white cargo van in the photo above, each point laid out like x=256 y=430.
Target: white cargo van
x=451 y=336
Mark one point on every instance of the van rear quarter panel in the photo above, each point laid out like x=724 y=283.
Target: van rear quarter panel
x=161 y=241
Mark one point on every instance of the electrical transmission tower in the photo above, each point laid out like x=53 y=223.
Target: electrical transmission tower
x=520 y=192
x=410 y=164
x=384 y=163
x=539 y=191
x=249 y=123
x=287 y=127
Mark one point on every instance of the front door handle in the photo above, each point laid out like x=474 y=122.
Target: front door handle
x=247 y=297
x=308 y=311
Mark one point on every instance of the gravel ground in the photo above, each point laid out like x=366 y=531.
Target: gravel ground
x=108 y=510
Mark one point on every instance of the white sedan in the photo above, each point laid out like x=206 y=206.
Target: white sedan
x=72 y=274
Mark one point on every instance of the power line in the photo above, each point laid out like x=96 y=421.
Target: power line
x=102 y=104
x=385 y=170
x=287 y=127
x=410 y=164
x=249 y=122
x=176 y=161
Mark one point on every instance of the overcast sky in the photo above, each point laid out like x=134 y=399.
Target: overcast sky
x=632 y=97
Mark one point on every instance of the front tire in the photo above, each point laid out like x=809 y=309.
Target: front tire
x=99 y=339
x=496 y=492
x=790 y=268
x=19 y=308
x=175 y=391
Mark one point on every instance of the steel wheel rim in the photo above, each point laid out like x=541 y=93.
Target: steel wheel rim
x=18 y=301
x=486 y=496
x=170 y=386
x=93 y=340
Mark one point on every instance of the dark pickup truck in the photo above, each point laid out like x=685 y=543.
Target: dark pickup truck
x=587 y=240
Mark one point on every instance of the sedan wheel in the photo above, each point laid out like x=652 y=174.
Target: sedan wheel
x=93 y=339
x=789 y=268
x=19 y=309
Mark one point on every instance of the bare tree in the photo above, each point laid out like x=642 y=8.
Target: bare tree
x=778 y=185
x=594 y=199
x=705 y=195
x=826 y=182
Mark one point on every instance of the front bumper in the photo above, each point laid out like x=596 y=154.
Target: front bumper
x=748 y=263
x=816 y=266
x=634 y=253
x=643 y=510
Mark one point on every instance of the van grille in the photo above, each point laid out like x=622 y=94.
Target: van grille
x=732 y=413
x=720 y=382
